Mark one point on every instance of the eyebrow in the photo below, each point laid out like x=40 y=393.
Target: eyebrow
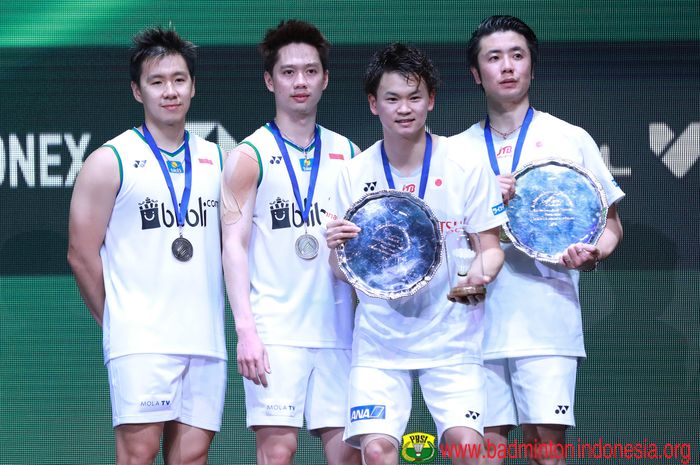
x=512 y=49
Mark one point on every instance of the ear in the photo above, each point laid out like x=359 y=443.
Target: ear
x=193 y=91
x=325 y=79
x=268 y=82
x=372 y=103
x=475 y=74
x=431 y=101
x=136 y=91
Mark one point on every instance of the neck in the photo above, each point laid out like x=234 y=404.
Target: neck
x=507 y=117
x=297 y=130
x=405 y=155
x=167 y=137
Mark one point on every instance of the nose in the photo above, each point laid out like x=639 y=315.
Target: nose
x=403 y=106
x=507 y=64
x=169 y=89
x=300 y=80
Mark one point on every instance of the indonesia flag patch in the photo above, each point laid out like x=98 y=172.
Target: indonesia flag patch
x=206 y=160
x=336 y=156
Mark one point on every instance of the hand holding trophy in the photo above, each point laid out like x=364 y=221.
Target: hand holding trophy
x=465 y=266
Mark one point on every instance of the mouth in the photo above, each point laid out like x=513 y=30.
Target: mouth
x=300 y=97
x=405 y=121
x=171 y=107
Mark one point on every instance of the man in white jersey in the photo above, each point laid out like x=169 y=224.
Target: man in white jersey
x=293 y=318
x=424 y=336
x=534 y=336
x=145 y=248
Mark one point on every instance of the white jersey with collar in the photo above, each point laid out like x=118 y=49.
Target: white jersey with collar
x=153 y=302
x=424 y=330
x=532 y=308
x=296 y=302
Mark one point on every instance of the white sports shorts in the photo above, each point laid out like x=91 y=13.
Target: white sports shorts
x=379 y=400
x=153 y=388
x=532 y=390
x=309 y=383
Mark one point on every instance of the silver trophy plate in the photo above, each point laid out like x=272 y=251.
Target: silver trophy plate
x=557 y=203
x=399 y=248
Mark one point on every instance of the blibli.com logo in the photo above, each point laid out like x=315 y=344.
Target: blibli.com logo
x=498 y=209
x=154 y=214
x=367 y=412
x=284 y=214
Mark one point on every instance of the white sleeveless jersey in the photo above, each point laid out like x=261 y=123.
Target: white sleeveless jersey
x=424 y=330
x=532 y=308
x=296 y=302
x=155 y=303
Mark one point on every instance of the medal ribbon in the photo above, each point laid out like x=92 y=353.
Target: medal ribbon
x=518 y=145
x=181 y=210
x=290 y=169
x=424 y=172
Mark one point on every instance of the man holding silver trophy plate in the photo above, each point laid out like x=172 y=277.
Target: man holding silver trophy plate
x=561 y=204
x=399 y=195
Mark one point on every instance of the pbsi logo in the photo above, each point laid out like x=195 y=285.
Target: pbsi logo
x=367 y=412
x=418 y=448
x=284 y=214
x=154 y=214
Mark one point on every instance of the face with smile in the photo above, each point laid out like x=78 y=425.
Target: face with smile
x=402 y=104
x=165 y=89
x=297 y=80
x=505 y=67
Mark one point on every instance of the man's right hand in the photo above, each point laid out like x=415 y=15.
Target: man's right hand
x=251 y=358
x=339 y=231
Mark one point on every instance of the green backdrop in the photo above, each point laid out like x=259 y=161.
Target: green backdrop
x=626 y=71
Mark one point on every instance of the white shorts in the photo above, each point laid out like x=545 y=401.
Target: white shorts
x=153 y=388
x=309 y=383
x=532 y=390
x=380 y=400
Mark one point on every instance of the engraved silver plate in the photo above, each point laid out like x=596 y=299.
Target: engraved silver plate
x=398 y=249
x=557 y=203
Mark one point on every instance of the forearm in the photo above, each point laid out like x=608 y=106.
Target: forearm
x=90 y=280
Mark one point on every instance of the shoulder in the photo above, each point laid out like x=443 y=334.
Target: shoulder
x=549 y=122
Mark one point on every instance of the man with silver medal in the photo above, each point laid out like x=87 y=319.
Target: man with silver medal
x=534 y=339
x=148 y=264
x=293 y=318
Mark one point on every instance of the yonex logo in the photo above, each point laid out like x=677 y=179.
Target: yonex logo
x=472 y=414
x=367 y=412
x=561 y=409
x=275 y=159
x=369 y=186
x=498 y=209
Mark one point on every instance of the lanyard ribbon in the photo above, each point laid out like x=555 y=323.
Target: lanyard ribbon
x=180 y=209
x=424 y=172
x=518 y=145
x=290 y=169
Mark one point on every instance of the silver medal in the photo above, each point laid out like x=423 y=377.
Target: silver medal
x=182 y=249
x=306 y=246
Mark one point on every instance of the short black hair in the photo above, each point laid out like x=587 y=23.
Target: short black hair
x=292 y=31
x=157 y=42
x=501 y=23
x=406 y=60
